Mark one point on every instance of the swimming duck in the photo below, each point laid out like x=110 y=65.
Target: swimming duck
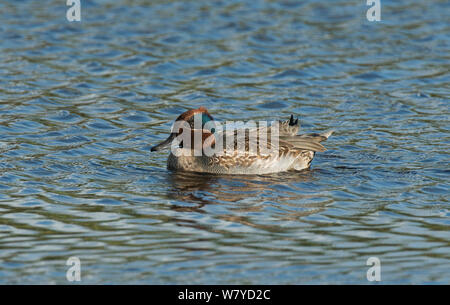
x=292 y=152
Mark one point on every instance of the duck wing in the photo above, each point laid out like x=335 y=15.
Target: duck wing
x=299 y=143
x=316 y=137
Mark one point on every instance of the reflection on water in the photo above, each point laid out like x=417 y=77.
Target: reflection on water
x=82 y=103
x=245 y=193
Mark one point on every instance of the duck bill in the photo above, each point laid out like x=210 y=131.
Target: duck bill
x=165 y=144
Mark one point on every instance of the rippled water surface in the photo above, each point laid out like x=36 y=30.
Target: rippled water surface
x=81 y=103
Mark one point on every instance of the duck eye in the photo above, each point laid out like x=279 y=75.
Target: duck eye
x=205 y=118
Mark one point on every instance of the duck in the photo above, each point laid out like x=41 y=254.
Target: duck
x=195 y=137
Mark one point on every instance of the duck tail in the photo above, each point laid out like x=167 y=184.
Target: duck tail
x=327 y=134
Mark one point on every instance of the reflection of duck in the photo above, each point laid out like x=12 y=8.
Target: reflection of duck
x=198 y=190
x=293 y=152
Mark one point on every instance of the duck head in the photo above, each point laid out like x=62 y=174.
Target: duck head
x=192 y=121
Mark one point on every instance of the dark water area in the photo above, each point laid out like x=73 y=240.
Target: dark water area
x=81 y=103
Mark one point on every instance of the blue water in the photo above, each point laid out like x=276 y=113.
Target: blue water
x=81 y=104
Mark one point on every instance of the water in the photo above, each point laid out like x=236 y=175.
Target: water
x=81 y=104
